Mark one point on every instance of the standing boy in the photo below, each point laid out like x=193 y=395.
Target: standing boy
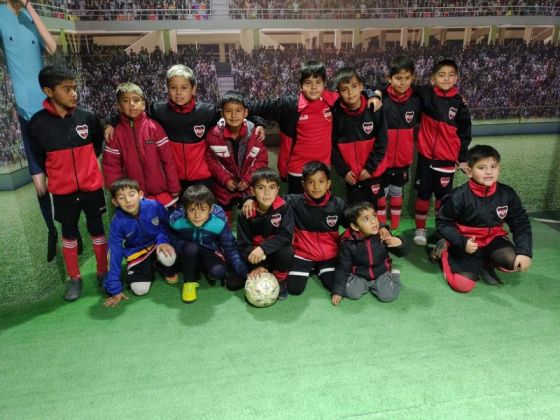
x=265 y=236
x=305 y=124
x=139 y=149
x=138 y=232
x=471 y=221
x=359 y=139
x=363 y=263
x=66 y=141
x=443 y=140
x=233 y=153
x=402 y=114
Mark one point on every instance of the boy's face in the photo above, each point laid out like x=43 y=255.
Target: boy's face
x=351 y=92
x=366 y=223
x=265 y=193
x=485 y=172
x=128 y=200
x=312 y=88
x=180 y=90
x=131 y=105
x=316 y=185
x=198 y=213
x=445 y=78
x=63 y=95
x=401 y=81
x=234 y=114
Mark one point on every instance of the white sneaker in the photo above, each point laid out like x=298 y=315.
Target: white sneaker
x=395 y=271
x=420 y=237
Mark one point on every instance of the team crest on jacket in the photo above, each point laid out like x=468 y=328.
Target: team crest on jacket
x=375 y=188
x=331 y=220
x=409 y=116
x=368 y=127
x=155 y=221
x=199 y=130
x=444 y=181
x=275 y=219
x=452 y=112
x=502 y=211
x=82 y=131
x=327 y=114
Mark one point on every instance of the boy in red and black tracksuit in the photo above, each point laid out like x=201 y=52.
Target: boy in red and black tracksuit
x=66 y=143
x=317 y=216
x=471 y=221
x=401 y=110
x=363 y=263
x=305 y=123
x=233 y=153
x=265 y=236
x=139 y=149
x=359 y=139
x=443 y=140
x=186 y=123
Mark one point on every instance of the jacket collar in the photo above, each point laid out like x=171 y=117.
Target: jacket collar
x=49 y=107
x=182 y=109
x=396 y=97
x=481 y=190
x=449 y=93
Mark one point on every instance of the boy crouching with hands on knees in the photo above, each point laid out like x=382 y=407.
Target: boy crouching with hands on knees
x=364 y=264
x=138 y=232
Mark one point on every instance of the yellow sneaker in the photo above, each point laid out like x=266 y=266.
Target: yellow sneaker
x=188 y=294
x=172 y=279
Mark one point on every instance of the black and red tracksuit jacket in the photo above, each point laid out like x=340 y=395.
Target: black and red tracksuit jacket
x=359 y=139
x=479 y=211
x=271 y=231
x=402 y=116
x=67 y=149
x=187 y=126
x=316 y=225
x=367 y=257
x=305 y=129
x=445 y=127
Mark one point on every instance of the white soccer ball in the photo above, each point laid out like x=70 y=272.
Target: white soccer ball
x=262 y=291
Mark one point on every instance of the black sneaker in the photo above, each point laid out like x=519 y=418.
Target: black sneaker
x=80 y=244
x=490 y=277
x=51 y=244
x=283 y=295
x=435 y=255
x=73 y=290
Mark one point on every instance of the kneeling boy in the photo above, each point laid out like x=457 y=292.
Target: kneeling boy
x=138 y=233
x=471 y=221
x=363 y=259
x=204 y=240
x=265 y=236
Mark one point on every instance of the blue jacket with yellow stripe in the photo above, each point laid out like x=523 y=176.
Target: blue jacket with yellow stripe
x=135 y=238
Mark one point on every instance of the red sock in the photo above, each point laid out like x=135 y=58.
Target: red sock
x=382 y=210
x=100 y=251
x=421 y=209
x=396 y=206
x=70 y=255
x=280 y=275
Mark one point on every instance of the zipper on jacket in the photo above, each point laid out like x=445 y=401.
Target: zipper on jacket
x=370 y=258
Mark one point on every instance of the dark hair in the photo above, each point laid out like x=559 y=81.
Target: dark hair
x=50 y=76
x=444 y=63
x=481 y=151
x=311 y=168
x=121 y=184
x=400 y=63
x=267 y=174
x=354 y=210
x=197 y=194
x=233 y=97
x=345 y=74
x=312 y=69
